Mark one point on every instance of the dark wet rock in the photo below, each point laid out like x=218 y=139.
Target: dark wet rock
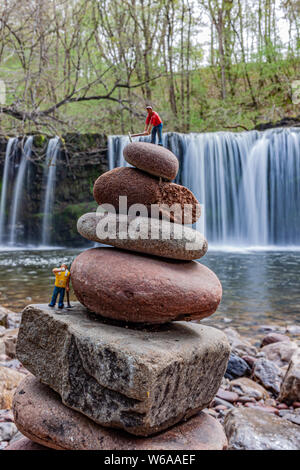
x=268 y=374
x=137 y=379
x=254 y=429
x=42 y=417
x=153 y=159
x=236 y=367
x=138 y=288
x=286 y=121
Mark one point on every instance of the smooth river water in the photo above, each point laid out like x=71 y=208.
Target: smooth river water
x=259 y=287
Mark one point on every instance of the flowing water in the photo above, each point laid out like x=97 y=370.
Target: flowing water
x=258 y=287
x=248 y=182
x=50 y=176
x=8 y=169
x=18 y=189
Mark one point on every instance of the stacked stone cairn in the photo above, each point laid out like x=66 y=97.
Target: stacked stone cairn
x=125 y=369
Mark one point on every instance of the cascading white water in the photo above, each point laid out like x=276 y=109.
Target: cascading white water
x=10 y=151
x=18 y=189
x=50 y=179
x=248 y=182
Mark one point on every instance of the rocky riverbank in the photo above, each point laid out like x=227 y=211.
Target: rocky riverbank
x=258 y=403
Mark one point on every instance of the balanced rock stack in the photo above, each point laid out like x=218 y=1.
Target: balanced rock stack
x=124 y=368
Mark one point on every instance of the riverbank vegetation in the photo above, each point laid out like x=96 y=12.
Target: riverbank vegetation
x=206 y=65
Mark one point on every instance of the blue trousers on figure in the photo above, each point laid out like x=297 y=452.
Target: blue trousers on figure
x=61 y=292
x=157 y=130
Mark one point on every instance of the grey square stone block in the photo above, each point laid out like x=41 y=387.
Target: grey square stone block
x=142 y=380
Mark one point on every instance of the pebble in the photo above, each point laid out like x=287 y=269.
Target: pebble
x=219 y=401
x=6 y=416
x=293 y=329
x=282 y=406
x=227 y=395
x=270 y=402
x=221 y=408
x=268 y=374
x=236 y=367
x=244 y=386
x=267 y=409
x=245 y=399
x=7 y=431
x=273 y=338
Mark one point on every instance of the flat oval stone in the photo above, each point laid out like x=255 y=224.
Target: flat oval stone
x=141 y=188
x=153 y=159
x=144 y=289
x=144 y=235
x=41 y=416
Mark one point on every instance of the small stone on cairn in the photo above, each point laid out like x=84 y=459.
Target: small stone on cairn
x=121 y=365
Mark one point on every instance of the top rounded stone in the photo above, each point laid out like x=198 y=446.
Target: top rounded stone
x=153 y=159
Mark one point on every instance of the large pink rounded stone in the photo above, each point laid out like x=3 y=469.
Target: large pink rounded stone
x=144 y=289
x=154 y=159
x=41 y=416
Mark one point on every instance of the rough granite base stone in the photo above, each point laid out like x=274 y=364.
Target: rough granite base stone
x=139 y=379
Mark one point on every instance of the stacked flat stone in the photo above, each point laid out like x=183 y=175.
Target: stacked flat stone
x=121 y=360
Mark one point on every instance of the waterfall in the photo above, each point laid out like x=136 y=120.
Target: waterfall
x=49 y=178
x=248 y=182
x=18 y=188
x=11 y=150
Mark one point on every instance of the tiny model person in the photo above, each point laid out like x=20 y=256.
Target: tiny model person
x=62 y=284
x=153 y=125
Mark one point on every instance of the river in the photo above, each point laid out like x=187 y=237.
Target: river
x=259 y=287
